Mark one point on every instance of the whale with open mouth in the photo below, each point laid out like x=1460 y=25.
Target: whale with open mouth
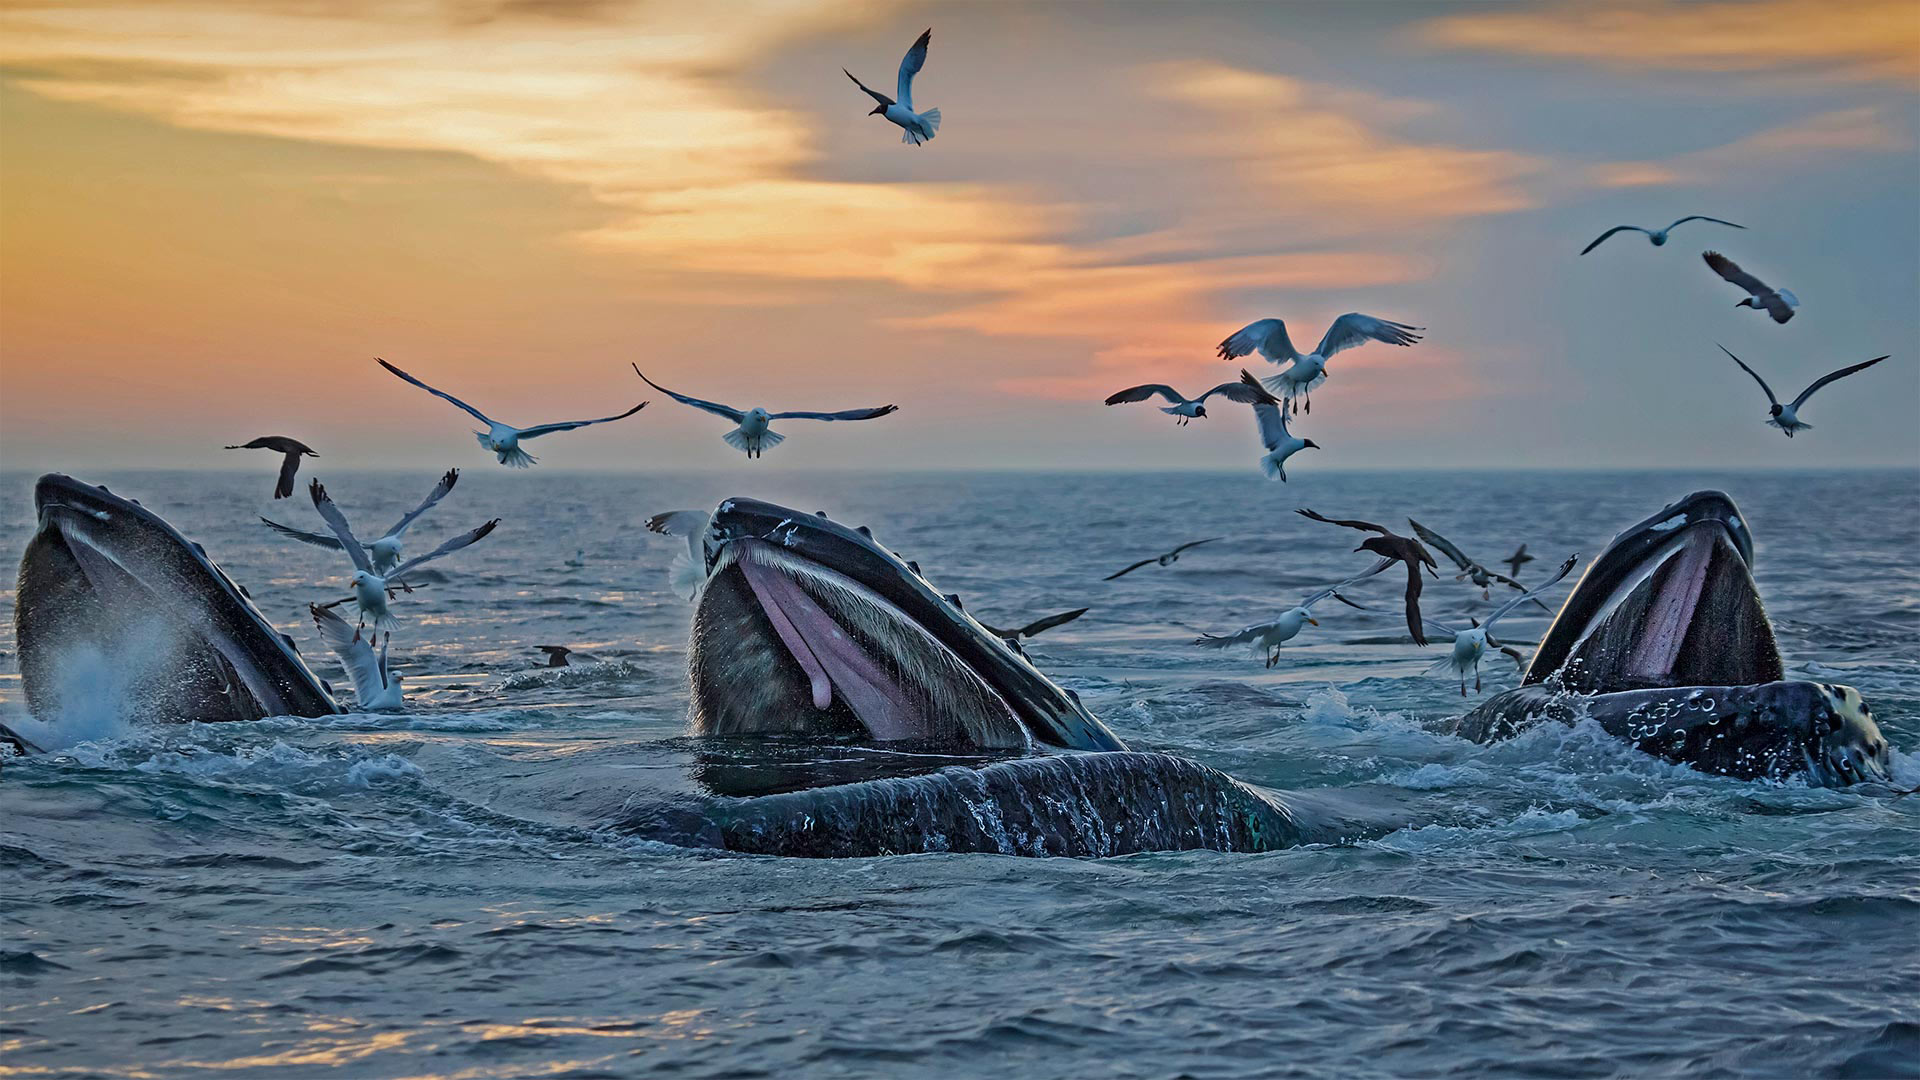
x=114 y=603
x=1665 y=643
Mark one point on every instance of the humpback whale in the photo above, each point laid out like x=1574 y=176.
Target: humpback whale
x=109 y=591
x=1665 y=643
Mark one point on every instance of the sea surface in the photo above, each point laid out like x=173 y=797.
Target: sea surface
x=331 y=896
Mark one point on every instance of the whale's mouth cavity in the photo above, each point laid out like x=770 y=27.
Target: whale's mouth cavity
x=786 y=644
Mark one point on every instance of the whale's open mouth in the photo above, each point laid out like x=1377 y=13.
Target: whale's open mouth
x=113 y=601
x=805 y=625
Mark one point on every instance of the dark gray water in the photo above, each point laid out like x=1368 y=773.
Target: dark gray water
x=179 y=901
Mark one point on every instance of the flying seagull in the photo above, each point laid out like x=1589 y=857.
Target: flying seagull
x=1658 y=236
x=375 y=688
x=1168 y=559
x=1778 y=303
x=1392 y=548
x=1187 y=409
x=1270 y=416
x=385 y=552
x=1037 y=626
x=1787 y=417
x=280 y=444
x=1269 y=338
x=1518 y=559
x=753 y=435
x=687 y=573
x=916 y=127
x=504 y=440
x=372 y=590
x=1469 y=569
x=1269 y=636
x=1470 y=644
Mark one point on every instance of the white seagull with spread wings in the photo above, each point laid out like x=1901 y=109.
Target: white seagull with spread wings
x=1778 y=303
x=504 y=440
x=1269 y=636
x=1470 y=644
x=687 y=573
x=385 y=552
x=1184 y=408
x=1787 y=417
x=916 y=127
x=1657 y=236
x=375 y=687
x=1269 y=338
x=371 y=589
x=753 y=436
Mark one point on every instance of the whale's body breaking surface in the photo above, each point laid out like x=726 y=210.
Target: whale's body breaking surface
x=1665 y=643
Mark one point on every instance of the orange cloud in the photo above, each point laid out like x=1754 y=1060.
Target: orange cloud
x=1808 y=141
x=1857 y=39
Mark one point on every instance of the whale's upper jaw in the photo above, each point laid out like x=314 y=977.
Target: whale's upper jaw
x=1670 y=602
x=105 y=576
x=762 y=642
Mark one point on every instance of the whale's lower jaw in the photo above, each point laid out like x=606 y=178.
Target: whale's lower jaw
x=1088 y=805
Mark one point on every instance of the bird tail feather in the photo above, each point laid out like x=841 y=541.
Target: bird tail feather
x=516 y=458
x=1274 y=468
x=932 y=119
x=685 y=577
x=767 y=440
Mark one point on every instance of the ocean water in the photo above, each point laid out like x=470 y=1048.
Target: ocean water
x=341 y=896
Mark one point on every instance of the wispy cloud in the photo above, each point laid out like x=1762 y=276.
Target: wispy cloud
x=1809 y=142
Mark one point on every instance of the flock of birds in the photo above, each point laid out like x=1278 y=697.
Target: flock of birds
x=380 y=574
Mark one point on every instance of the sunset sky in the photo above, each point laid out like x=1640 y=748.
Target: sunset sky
x=214 y=215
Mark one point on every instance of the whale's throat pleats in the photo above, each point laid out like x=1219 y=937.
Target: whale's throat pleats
x=1693 y=617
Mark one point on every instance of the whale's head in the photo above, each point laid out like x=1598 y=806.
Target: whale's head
x=114 y=602
x=805 y=625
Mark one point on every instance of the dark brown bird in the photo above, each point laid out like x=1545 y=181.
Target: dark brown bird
x=1518 y=559
x=1393 y=548
x=280 y=444
x=556 y=655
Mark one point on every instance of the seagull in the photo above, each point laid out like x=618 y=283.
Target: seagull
x=556 y=655
x=371 y=590
x=385 y=552
x=753 y=435
x=1392 y=548
x=1778 y=303
x=280 y=444
x=1787 y=417
x=1184 y=408
x=1168 y=559
x=1271 y=417
x=1012 y=637
x=1470 y=644
x=687 y=573
x=504 y=440
x=375 y=689
x=1469 y=569
x=1658 y=236
x=1269 y=338
x=1518 y=559
x=1270 y=636
x=916 y=127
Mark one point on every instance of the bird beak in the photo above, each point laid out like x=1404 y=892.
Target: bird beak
x=1313 y=620
x=1362 y=548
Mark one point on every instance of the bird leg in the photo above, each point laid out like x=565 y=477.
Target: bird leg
x=1309 y=402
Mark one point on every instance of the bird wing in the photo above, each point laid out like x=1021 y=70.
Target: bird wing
x=910 y=66
x=355 y=654
x=1444 y=628
x=1238 y=637
x=1610 y=232
x=1194 y=544
x=1698 y=217
x=1130 y=569
x=316 y=539
x=717 y=409
x=1273 y=424
x=448 y=548
x=1756 y=376
x=1354 y=328
x=1334 y=590
x=1363 y=526
x=1730 y=270
x=439 y=492
x=288 y=467
x=1519 y=660
x=1268 y=337
x=1147 y=390
x=337 y=521
x=1413 y=603
x=1241 y=392
x=1779 y=304
x=441 y=394
x=538 y=430
x=876 y=95
x=1831 y=376
x=679 y=523
x=1501 y=611
x=1048 y=623
x=1445 y=545
x=849 y=414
